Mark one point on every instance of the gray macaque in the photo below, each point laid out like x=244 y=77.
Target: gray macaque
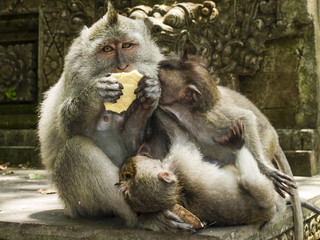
x=206 y=111
x=81 y=144
x=234 y=194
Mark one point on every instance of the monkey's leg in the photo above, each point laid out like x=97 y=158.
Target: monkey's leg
x=85 y=179
x=138 y=114
x=254 y=145
x=295 y=199
x=257 y=184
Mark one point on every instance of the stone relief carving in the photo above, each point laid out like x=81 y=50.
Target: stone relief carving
x=19 y=6
x=60 y=22
x=230 y=42
x=18 y=81
x=230 y=35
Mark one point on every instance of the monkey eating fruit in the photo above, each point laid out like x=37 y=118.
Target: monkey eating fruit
x=129 y=82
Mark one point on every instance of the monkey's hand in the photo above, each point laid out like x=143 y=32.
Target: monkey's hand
x=165 y=221
x=235 y=138
x=281 y=181
x=108 y=88
x=148 y=92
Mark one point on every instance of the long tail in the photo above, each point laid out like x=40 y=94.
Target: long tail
x=310 y=206
x=295 y=199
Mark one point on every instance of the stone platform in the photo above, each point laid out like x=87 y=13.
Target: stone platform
x=26 y=213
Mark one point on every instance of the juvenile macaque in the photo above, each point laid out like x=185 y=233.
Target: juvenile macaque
x=206 y=111
x=82 y=145
x=235 y=194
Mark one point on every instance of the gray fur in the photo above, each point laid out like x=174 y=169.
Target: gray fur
x=235 y=194
x=81 y=151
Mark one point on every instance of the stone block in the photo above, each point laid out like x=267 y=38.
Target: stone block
x=303 y=163
x=17 y=137
x=16 y=155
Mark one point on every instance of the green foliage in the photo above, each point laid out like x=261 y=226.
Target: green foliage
x=11 y=94
x=35 y=176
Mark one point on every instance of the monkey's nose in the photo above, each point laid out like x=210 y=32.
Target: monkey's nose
x=122 y=67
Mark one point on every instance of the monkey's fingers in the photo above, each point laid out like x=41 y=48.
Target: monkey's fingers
x=280 y=188
x=280 y=192
x=177 y=223
x=284 y=178
x=110 y=83
x=110 y=96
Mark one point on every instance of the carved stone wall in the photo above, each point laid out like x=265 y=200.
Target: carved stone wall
x=266 y=49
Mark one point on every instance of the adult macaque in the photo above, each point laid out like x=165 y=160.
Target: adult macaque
x=234 y=194
x=82 y=145
x=206 y=111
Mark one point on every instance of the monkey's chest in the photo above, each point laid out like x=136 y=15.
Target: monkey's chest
x=216 y=152
x=109 y=137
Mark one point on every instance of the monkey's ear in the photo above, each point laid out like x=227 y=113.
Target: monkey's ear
x=112 y=15
x=167 y=177
x=190 y=94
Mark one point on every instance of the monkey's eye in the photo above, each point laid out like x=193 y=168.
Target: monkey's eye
x=127 y=45
x=107 y=49
x=128 y=176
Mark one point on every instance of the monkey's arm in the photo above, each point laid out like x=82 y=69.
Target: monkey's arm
x=139 y=112
x=79 y=112
x=281 y=181
x=85 y=177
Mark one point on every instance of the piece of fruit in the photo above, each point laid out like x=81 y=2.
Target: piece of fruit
x=187 y=216
x=129 y=82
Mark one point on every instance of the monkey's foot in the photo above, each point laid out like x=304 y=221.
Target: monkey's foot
x=235 y=138
x=281 y=181
x=165 y=221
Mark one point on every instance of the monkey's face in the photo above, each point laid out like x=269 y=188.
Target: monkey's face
x=113 y=44
x=146 y=185
x=178 y=96
x=187 y=88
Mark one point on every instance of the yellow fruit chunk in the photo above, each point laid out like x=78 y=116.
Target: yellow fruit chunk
x=130 y=83
x=187 y=216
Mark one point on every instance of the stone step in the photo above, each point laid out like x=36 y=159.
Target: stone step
x=15 y=155
x=27 y=214
x=302 y=162
x=18 y=137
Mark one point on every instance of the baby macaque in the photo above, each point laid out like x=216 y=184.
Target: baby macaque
x=206 y=111
x=234 y=194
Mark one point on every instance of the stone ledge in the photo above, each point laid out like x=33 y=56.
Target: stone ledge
x=302 y=162
x=27 y=214
x=16 y=155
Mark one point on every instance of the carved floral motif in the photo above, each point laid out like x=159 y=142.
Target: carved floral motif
x=18 y=82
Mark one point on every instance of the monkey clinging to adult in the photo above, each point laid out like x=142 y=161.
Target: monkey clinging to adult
x=235 y=194
x=82 y=145
x=206 y=111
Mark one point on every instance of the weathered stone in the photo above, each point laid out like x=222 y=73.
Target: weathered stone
x=15 y=155
x=21 y=137
x=28 y=214
x=303 y=163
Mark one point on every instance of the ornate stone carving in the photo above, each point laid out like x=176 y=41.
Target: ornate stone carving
x=231 y=43
x=312 y=228
x=60 y=22
x=19 y=6
x=18 y=81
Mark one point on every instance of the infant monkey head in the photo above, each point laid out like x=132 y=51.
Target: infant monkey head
x=187 y=85
x=146 y=185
